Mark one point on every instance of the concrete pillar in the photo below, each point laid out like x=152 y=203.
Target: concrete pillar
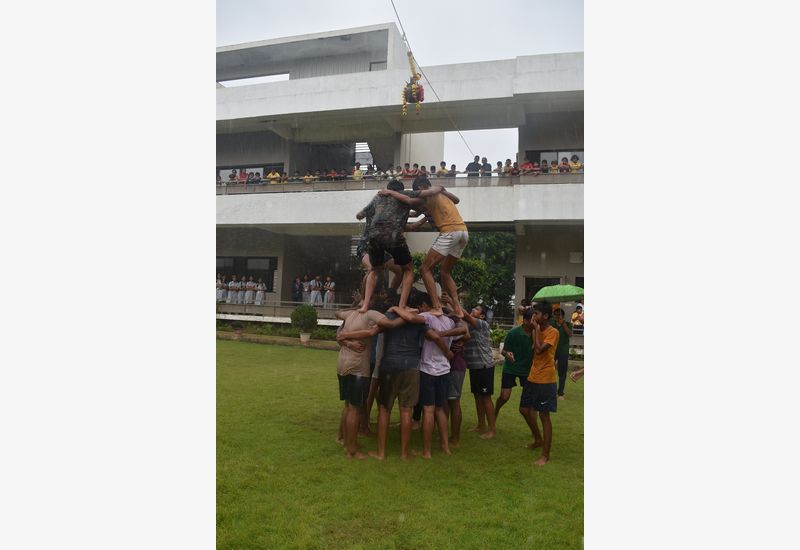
x=427 y=149
x=385 y=151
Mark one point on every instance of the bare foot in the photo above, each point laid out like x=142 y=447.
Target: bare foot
x=541 y=461
x=436 y=311
x=534 y=445
x=358 y=454
x=576 y=375
x=415 y=425
x=366 y=433
x=340 y=440
x=479 y=429
x=488 y=435
x=374 y=454
x=404 y=457
x=453 y=443
x=362 y=309
x=426 y=455
x=445 y=450
x=459 y=313
x=561 y=398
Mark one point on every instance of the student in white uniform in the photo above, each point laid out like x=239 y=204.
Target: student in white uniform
x=241 y=292
x=330 y=292
x=316 y=291
x=260 y=289
x=250 y=291
x=223 y=289
x=232 y=288
x=306 y=290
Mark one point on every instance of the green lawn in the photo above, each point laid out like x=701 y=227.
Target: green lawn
x=283 y=481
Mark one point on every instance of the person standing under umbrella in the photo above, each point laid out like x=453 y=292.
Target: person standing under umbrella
x=577 y=320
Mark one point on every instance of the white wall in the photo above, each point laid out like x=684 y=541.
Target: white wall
x=338 y=64
x=427 y=149
x=335 y=210
x=544 y=252
x=252 y=242
x=545 y=131
x=420 y=241
x=504 y=78
x=253 y=148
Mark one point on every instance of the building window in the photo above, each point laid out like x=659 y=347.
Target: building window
x=535 y=284
x=263 y=267
x=548 y=156
x=377 y=66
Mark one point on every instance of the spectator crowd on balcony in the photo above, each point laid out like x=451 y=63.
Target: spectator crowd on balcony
x=479 y=167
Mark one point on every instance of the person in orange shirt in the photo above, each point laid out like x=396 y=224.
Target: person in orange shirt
x=539 y=392
x=529 y=168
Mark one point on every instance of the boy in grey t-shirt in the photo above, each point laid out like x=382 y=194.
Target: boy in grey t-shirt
x=478 y=352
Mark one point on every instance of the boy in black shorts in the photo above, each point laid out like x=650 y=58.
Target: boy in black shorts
x=518 y=354
x=478 y=352
x=388 y=217
x=434 y=369
x=539 y=392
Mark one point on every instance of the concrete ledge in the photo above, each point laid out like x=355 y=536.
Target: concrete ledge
x=276 y=340
x=273 y=319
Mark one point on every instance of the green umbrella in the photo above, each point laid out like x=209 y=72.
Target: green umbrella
x=558 y=293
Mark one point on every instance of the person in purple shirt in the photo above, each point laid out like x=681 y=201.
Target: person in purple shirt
x=455 y=380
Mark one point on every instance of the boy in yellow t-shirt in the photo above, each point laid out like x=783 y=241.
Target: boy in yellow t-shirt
x=274 y=176
x=539 y=392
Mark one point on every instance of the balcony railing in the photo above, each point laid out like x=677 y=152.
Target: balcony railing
x=371 y=183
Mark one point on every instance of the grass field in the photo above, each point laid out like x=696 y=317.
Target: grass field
x=283 y=481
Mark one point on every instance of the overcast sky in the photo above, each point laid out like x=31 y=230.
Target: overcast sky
x=440 y=32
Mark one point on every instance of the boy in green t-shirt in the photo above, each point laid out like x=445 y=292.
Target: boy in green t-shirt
x=518 y=357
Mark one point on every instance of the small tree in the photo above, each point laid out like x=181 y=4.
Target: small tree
x=470 y=275
x=304 y=317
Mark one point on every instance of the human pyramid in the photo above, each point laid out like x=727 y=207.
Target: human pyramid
x=428 y=341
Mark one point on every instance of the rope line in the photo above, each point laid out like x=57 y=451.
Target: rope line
x=408 y=47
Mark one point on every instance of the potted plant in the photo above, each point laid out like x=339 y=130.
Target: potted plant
x=304 y=317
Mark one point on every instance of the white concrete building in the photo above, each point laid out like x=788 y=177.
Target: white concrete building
x=344 y=87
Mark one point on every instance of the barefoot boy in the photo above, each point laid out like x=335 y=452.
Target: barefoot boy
x=399 y=377
x=434 y=369
x=539 y=392
x=353 y=369
x=478 y=352
x=518 y=354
